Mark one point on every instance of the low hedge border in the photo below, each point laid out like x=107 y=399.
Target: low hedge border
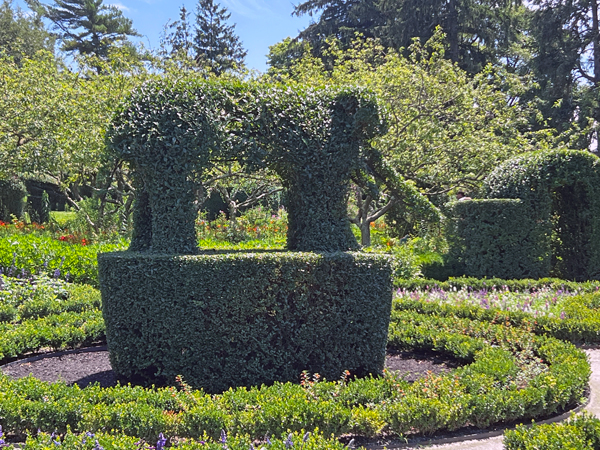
x=511 y=375
x=581 y=324
x=475 y=284
x=580 y=433
x=42 y=312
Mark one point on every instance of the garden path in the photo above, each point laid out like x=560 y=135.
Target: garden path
x=495 y=443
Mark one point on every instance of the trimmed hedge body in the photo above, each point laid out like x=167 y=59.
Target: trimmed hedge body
x=241 y=319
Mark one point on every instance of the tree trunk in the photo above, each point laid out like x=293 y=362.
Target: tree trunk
x=453 y=30
x=365 y=234
x=596 y=40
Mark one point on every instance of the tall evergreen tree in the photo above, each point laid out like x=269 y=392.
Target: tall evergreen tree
x=566 y=62
x=477 y=31
x=22 y=35
x=87 y=27
x=209 y=42
x=215 y=43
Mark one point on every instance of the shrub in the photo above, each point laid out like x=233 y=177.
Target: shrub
x=310 y=136
x=494 y=238
x=560 y=191
x=32 y=253
x=579 y=433
x=235 y=319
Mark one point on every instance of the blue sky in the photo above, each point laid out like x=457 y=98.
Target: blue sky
x=259 y=23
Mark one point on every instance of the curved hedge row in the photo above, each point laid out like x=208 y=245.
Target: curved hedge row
x=475 y=284
x=510 y=375
x=580 y=325
x=579 y=433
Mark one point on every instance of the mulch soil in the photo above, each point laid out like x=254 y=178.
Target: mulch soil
x=91 y=365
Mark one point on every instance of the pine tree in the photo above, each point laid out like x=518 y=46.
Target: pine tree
x=215 y=44
x=87 y=27
x=208 y=43
x=176 y=40
x=477 y=31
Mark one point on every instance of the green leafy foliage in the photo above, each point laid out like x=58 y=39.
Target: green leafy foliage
x=311 y=137
x=509 y=375
x=579 y=433
x=493 y=238
x=559 y=191
x=475 y=284
x=33 y=253
x=253 y=318
x=40 y=312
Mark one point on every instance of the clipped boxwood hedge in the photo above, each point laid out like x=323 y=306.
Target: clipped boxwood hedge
x=242 y=319
x=579 y=433
x=524 y=285
x=494 y=237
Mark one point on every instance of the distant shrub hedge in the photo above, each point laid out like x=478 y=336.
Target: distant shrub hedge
x=523 y=285
x=561 y=192
x=12 y=198
x=242 y=319
x=494 y=238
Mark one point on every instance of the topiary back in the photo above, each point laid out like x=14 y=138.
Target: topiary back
x=312 y=138
x=561 y=190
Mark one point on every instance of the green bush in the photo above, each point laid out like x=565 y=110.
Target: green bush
x=561 y=191
x=242 y=319
x=310 y=136
x=580 y=323
x=494 y=238
x=476 y=284
x=12 y=199
x=579 y=433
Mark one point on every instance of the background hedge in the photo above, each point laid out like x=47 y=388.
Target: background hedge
x=242 y=319
x=12 y=199
x=561 y=191
x=494 y=238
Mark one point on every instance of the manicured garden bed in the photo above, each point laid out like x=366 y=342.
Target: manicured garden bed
x=510 y=374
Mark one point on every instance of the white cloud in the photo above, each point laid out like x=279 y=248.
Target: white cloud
x=248 y=8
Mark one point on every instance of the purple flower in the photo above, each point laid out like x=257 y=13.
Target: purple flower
x=288 y=442
x=267 y=440
x=52 y=436
x=223 y=437
x=563 y=315
x=97 y=446
x=160 y=444
x=86 y=436
x=57 y=273
x=306 y=436
x=2 y=441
